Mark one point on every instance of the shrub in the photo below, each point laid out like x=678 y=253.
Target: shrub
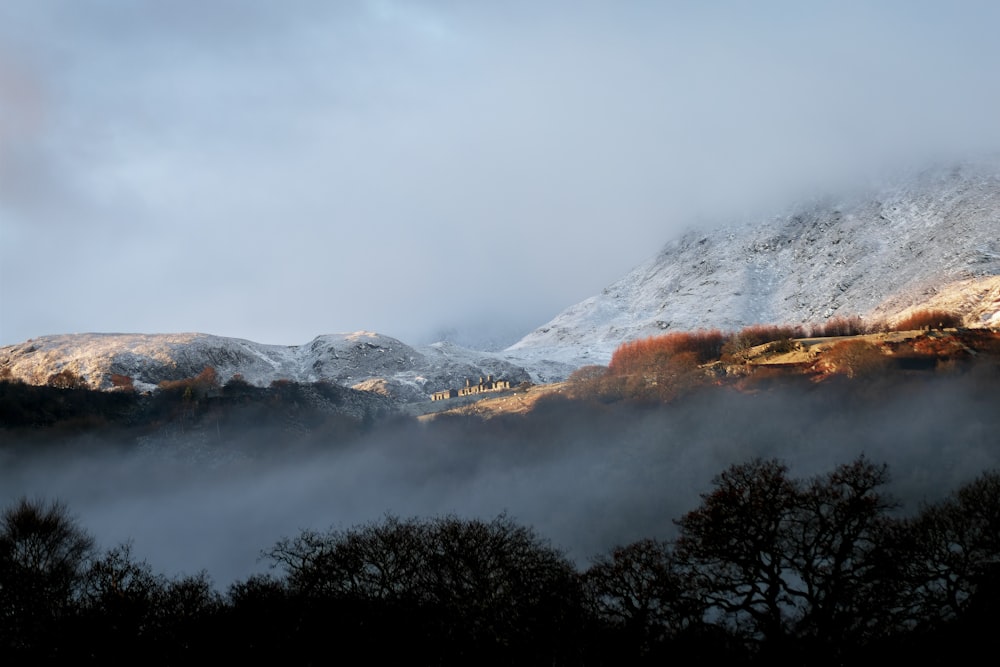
x=840 y=326
x=122 y=382
x=855 y=358
x=782 y=346
x=237 y=386
x=738 y=345
x=587 y=382
x=635 y=356
x=661 y=368
x=586 y=374
x=196 y=386
x=928 y=319
x=938 y=347
x=66 y=379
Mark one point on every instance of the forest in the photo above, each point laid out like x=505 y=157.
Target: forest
x=767 y=569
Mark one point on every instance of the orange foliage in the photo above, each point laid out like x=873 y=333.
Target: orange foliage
x=122 y=382
x=855 y=358
x=661 y=368
x=928 y=319
x=638 y=355
x=938 y=347
x=66 y=379
x=840 y=326
x=199 y=384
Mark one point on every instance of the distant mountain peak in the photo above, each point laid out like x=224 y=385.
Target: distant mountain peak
x=864 y=254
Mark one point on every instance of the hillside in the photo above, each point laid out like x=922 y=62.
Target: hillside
x=875 y=254
x=364 y=360
x=927 y=240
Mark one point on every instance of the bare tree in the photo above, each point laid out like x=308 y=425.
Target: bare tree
x=958 y=542
x=640 y=590
x=786 y=562
x=43 y=558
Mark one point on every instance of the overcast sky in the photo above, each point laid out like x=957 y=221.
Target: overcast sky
x=280 y=170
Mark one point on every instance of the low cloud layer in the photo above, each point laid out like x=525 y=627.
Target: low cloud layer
x=585 y=478
x=426 y=169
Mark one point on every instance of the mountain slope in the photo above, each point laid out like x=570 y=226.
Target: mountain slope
x=867 y=255
x=932 y=239
x=354 y=359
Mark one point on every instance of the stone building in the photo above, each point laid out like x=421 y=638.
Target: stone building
x=443 y=395
x=489 y=384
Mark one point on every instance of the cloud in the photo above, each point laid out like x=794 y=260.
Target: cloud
x=410 y=167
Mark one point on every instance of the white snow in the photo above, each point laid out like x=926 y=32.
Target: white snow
x=876 y=254
x=349 y=359
x=885 y=253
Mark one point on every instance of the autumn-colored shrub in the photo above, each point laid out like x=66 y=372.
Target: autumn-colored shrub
x=637 y=355
x=122 y=382
x=855 y=358
x=933 y=346
x=928 y=319
x=193 y=387
x=66 y=379
x=661 y=368
x=840 y=326
x=877 y=326
x=758 y=334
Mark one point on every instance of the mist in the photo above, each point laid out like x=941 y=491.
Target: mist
x=586 y=477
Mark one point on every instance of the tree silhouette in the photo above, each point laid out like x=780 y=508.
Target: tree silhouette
x=459 y=588
x=792 y=564
x=736 y=546
x=43 y=558
x=639 y=590
x=959 y=548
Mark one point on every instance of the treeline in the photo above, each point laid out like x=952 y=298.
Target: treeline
x=65 y=408
x=768 y=569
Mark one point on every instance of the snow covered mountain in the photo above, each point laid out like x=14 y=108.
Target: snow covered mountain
x=929 y=240
x=364 y=360
x=923 y=238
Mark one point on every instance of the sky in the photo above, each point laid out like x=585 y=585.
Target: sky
x=435 y=169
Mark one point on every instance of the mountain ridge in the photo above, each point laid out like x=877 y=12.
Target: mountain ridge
x=871 y=254
x=352 y=359
x=929 y=240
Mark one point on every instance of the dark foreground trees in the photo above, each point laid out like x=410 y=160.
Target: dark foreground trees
x=43 y=556
x=796 y=567
x=457 y=590
x=778 y=570
x=63 y=601
x=768 y=569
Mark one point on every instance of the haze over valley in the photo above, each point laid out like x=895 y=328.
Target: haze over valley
x=520 y=333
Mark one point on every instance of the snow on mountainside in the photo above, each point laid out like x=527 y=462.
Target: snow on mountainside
x=362 y=359
x=932 y=240
x=874 y=256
